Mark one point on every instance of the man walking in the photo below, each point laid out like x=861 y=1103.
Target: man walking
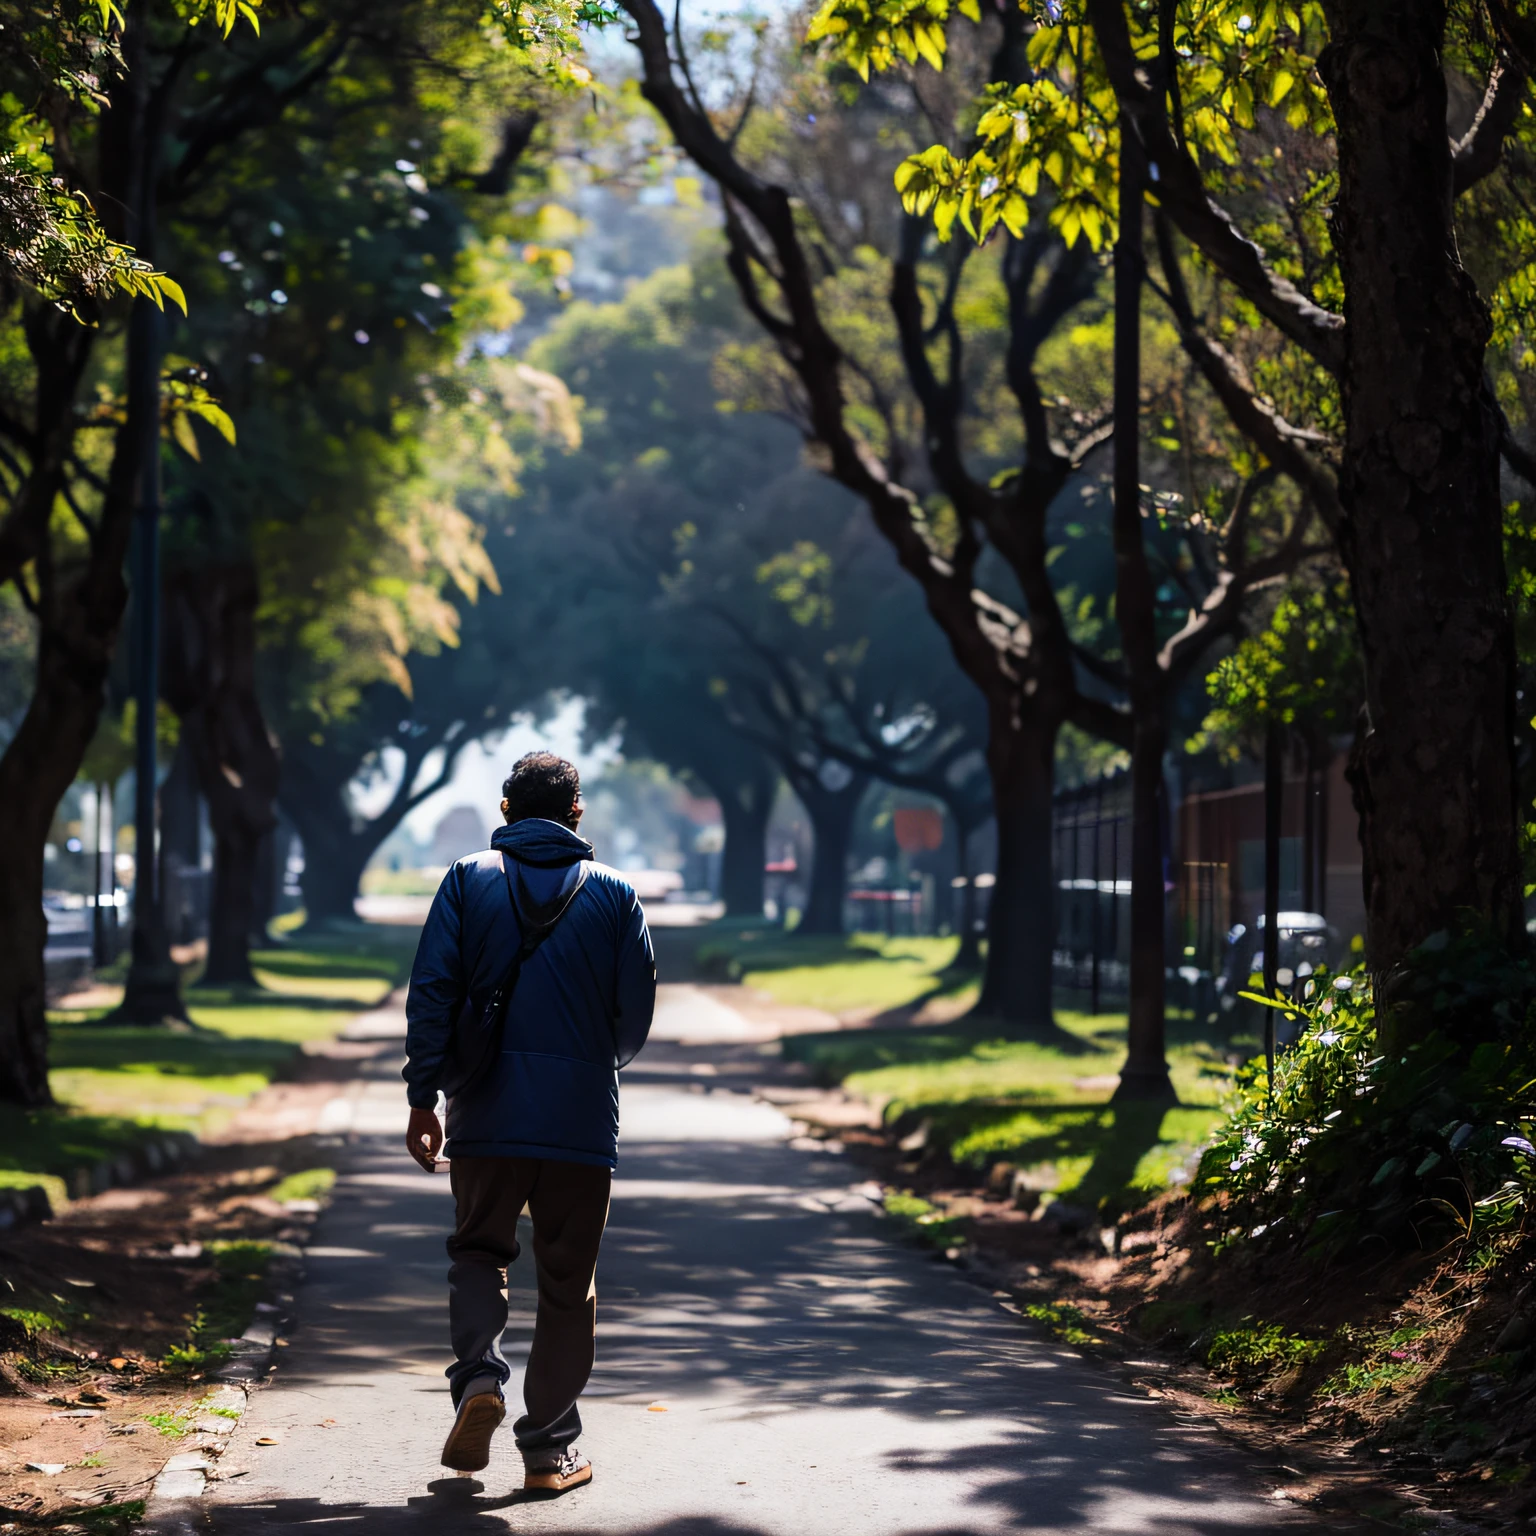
x=534 y=982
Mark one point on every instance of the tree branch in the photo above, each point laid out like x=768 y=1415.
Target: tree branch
x=1480 y=149
x=1181 y=191
x=1283 y=444
x=1519 y=458
x=517 y=130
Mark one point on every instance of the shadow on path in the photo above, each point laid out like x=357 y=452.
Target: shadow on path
x=816 y=1379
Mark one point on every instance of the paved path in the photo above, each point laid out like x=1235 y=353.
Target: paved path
x=818 y=1379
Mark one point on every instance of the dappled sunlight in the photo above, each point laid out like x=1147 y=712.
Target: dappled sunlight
x=769 y=1361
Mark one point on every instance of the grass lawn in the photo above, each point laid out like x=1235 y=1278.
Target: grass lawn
x=864 y=973
x=118 y=1085
x=1042 y=1108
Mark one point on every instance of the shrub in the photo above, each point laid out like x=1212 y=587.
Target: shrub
x=1259 y=1349
x=1407 y=1147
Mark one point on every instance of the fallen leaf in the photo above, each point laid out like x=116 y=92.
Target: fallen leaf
x=118 y=1363
x=657 y=1408
x=268 y=1440
x=281 y=1343
x=327 y=1423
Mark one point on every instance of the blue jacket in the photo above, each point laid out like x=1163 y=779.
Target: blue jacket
x=581 y=1009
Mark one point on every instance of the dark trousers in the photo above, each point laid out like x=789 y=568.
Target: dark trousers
x=568 y=1203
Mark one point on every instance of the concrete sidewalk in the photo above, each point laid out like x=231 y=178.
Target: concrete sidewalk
x=816 y=1378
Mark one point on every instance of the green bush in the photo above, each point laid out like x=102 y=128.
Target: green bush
x=923 y=1222
x=1260 y=1349
x=1405 y=1147
x=1065 y=1321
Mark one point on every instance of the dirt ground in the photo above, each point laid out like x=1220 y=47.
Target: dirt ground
x=126 y=1273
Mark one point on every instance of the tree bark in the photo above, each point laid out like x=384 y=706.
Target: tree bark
x=79 y=610
x=334 y=860
x=39 y=764
x=1017 y=982
x=746 y=808
x=968 y=956
x=265 y=888
x=23 y=938
x=831 y=812
x=180 y=837
x=231 y=912
x=210 y=680
x=1434 y=774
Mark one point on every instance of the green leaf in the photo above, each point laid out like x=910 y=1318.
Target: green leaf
x=161 y=284
x=181 y=430
x=216 y=417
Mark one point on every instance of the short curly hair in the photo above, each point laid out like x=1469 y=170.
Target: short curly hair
x=544 y=786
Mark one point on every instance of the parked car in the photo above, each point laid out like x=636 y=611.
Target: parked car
x=1307 y=944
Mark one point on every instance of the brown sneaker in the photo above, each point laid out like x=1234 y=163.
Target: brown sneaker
x=468 y=1446
x=556 y=1471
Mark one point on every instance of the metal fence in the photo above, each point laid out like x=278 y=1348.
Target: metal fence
x=1091 y=850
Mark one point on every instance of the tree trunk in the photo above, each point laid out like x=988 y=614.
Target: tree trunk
x=1016 y=984
x=181 y=833
x=180 y=840
x=831 y=812
x=1145 y=1074
x=210 y=680
x=79 y=614
x=746 y=808
x=264 y=888
x=968 y=956
x=23 y=937
x=1434 y=775
x=231 y=914
x=334 y=860
x=39 y=764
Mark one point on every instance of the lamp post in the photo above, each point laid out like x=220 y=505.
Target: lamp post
x=153 y=989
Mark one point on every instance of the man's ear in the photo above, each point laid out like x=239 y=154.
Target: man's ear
x=576 y=814
x=506 y=805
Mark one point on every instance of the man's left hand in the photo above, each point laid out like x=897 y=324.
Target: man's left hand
x=424 y=1138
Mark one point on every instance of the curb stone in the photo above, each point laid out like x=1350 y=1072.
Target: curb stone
x=174 y=1506
x=166 y=1154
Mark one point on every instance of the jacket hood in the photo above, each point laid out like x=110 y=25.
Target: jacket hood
x=542 y=844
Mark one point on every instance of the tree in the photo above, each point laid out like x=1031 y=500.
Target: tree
x=55 y=68
x=358 y=256
x=466 y=635
x=74 y=472
x=1420 y=524
x=941 y=510
x=700 y=530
